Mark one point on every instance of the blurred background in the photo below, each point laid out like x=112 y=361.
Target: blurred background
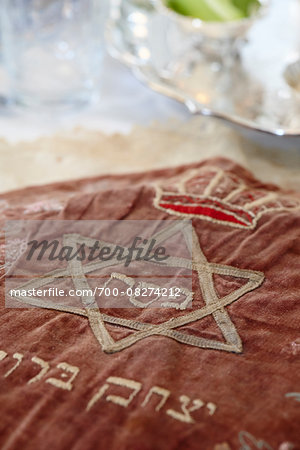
x=101 y=86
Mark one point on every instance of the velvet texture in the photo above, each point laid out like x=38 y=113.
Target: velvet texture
x=160 y=393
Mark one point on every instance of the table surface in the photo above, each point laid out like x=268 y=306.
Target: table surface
x=123 y=102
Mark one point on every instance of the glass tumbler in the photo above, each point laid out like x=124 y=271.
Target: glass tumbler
x=52 y=50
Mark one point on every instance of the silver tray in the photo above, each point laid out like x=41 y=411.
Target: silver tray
x=253 y=95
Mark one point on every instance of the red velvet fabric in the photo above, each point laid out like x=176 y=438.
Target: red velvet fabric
x=160 y=393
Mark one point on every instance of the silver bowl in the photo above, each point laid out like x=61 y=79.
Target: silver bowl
x=211 y=69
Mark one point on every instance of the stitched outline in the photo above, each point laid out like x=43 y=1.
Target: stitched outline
x=259 y=443
x=219 y=174
x=245 y=218
x=214 y=305
x=129 y=281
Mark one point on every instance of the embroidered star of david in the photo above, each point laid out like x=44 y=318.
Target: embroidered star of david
x=213 y=305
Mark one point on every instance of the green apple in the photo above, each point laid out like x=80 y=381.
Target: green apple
x=247 y=6
x=213 y=10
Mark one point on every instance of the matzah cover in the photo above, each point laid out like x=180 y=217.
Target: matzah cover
x=223 y=374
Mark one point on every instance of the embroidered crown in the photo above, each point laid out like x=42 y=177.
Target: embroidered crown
x=213 y=194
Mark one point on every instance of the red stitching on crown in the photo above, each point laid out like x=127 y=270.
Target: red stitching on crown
x=186 y=201
x=205 y=211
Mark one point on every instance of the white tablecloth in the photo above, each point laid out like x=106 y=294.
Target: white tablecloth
x=123 y=103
